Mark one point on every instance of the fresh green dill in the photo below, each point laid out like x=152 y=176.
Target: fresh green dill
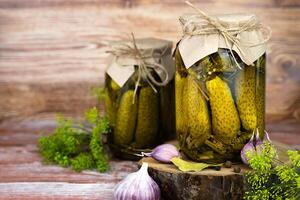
x=270 y=179
x=73 y=145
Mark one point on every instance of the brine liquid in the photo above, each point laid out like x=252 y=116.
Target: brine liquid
x=218 y=105
x=139 y=121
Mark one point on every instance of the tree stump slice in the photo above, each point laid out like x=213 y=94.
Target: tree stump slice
x=208 y=184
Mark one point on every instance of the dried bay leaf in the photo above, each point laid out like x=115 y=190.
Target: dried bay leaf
x=188 y=166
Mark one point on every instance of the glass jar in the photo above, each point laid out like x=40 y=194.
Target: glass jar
x=220 y=84
x=140 y=118
x=218 y=105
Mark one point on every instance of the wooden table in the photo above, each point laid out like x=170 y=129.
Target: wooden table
x=23 y=176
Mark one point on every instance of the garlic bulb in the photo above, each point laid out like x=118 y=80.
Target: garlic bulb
x=164 y=153
x=254 y=145
x=137 y=186
x=250 y=146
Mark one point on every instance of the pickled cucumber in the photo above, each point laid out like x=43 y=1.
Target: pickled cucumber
x=114 y=86
x=197 y=115
x=148 y=118
x=239 y=142
x=225 y=118
x=125 y=119
x=179 y=116
x=223 y=61
x=179 y=87
x=245 y=86
x=110 y=109
x=260 y=94
x=110 y=100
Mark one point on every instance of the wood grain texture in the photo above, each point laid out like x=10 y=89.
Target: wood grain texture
x=24 y=176
x=55 y=190
x=206 y=184
x=53 y=52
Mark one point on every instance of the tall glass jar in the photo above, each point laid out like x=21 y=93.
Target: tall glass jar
x=141 y=114
x=220 y=97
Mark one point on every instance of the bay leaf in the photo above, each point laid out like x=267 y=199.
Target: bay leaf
x=189 y=166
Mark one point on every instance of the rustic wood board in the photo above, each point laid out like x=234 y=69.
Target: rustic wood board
x=53 y=51
x=23 y=176
x=223 y=184
x=206 y=184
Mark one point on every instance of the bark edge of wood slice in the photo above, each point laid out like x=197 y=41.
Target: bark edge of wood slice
x=207 y=184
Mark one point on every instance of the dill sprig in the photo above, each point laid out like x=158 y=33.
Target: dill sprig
x=77 y=145
x=269 y=180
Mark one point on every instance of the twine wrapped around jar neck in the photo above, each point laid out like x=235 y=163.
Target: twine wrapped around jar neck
x=144 y=66
x=192 y=26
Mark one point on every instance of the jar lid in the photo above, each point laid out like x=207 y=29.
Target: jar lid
x=204 y=35
x=156 y=53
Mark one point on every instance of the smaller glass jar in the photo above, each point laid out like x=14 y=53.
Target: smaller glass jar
x=141 y=113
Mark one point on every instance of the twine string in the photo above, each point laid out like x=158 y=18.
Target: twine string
x=229 y=34
x=144 y=66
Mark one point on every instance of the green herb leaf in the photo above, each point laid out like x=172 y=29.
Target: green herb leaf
x=82 y=161
x=188 y=166
x=92 y=115
x=271 y=178
x=72 y=144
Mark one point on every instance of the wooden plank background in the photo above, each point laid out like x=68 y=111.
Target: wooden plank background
x=53 y=51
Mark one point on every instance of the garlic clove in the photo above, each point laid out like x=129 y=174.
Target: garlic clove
x=248 y=147
x=255 y=146
x=164 y=153
x=137 y=186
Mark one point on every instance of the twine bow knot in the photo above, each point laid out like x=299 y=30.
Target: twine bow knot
x=230 y=34
x=144 y=66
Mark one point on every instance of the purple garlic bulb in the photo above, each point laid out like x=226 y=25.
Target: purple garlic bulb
x=252 y=146
x=164 y=153
x=137 y=186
